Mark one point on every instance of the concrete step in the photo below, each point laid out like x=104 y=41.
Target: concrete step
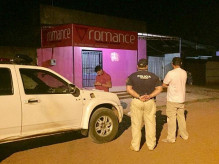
x=125 y=97
x=122 y=94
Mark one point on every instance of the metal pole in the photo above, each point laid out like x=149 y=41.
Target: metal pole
x=180 y=42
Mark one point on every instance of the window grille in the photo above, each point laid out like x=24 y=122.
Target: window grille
x=90 y=59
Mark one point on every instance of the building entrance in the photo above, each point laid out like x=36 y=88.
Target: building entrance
x=90 y=59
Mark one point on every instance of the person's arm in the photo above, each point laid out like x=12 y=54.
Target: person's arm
x=165 y=85
x=132 y=92
x=166 y=81
x=108 y=84
x=157 y=91
x=97 y=84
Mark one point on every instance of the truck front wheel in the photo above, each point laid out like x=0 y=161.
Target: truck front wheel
x=103 y=125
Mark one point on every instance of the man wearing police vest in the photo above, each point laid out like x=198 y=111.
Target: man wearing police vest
x=144 y=86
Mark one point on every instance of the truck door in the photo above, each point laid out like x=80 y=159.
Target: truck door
x=10 y=110
x=47 y=104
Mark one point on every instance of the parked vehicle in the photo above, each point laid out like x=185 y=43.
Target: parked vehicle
x=37 y=101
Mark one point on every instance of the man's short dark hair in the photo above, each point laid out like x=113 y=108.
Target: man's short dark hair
x=142 y=63
x=98 y=68
x=177 y=61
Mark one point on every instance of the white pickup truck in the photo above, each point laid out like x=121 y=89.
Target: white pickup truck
x=37 y=101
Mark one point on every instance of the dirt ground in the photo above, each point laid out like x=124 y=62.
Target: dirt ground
x=202 y=147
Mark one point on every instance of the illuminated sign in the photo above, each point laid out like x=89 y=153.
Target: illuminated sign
x=56 y=36
x=87 y=36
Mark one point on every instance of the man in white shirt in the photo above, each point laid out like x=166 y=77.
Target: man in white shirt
x=175 y=82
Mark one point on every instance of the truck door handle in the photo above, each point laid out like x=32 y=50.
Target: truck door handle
x=33 y=101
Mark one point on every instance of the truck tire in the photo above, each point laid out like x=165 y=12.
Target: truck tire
x=103 y=125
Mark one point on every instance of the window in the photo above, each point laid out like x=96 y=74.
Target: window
x=5 y=82
x=42 y=82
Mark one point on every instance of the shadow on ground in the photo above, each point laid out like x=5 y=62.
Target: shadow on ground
x=8 y=149
x=124 y=125
x=160 y=121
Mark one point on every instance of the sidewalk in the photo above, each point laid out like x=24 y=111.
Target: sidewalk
x=193 y=94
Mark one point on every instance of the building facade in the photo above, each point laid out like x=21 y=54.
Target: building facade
x=75 y=50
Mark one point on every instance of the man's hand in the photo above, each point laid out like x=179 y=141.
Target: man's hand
x=97 y=84
x=165 y=85
x=144 y=98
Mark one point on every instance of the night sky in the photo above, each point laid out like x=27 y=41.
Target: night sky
x=194 y=20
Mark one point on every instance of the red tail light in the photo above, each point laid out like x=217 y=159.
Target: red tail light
x=5 y=60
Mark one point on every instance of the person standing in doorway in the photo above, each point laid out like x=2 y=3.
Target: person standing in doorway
x=175 y=82
x=103 y=80
x=143 y=86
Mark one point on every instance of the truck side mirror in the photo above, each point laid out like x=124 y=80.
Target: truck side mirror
x=74 y=90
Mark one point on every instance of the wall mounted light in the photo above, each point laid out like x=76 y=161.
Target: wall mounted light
x=114 y=57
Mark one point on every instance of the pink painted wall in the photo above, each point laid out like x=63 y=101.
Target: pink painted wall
x=119 y=68
x=63 y=57
x=142 y=48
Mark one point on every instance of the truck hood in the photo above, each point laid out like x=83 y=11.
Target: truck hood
x=99 y=94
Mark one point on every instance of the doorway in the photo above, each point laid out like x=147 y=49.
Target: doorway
x=90 y=59
x=160 y=66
